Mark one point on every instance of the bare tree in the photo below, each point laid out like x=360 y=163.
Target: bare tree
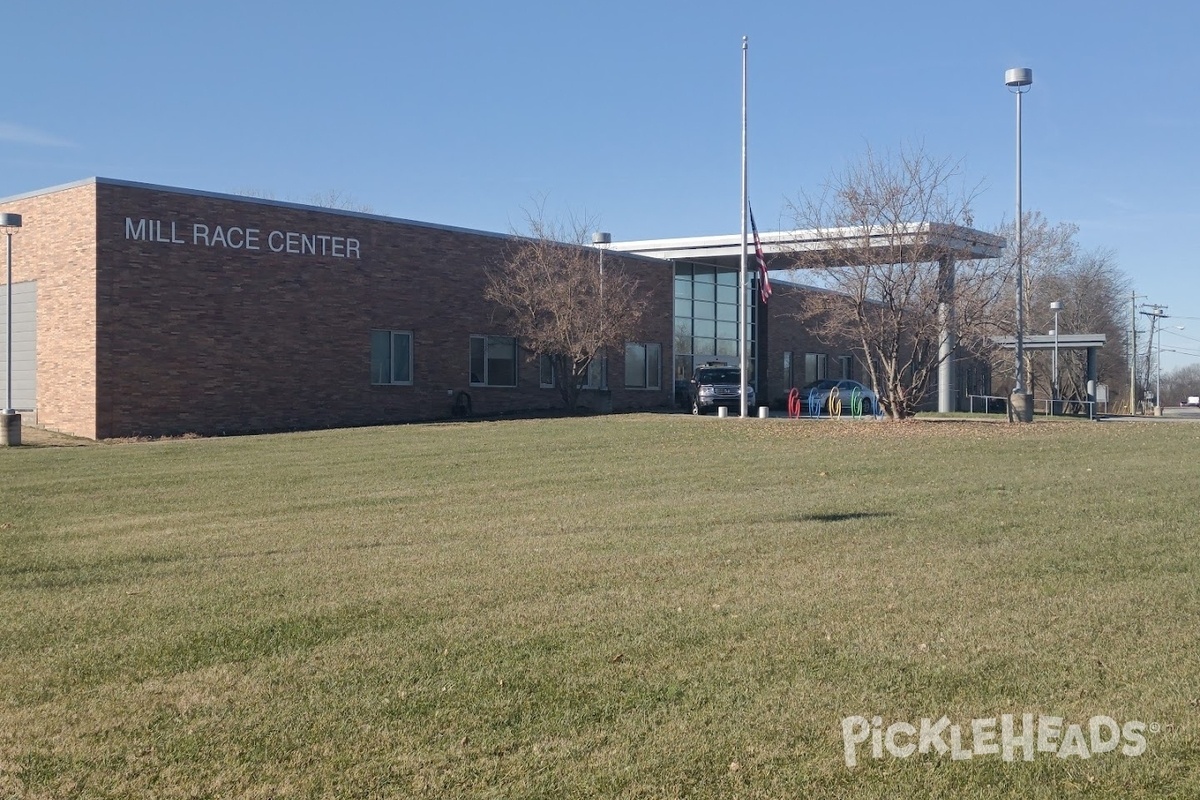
x=1094 y=293
x=1045 y=249
x=888 y=292
x=330 y=198
x=565 y=302
x=1180 y=383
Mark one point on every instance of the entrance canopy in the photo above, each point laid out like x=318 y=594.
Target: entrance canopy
x=915 y=242
x=929 y=240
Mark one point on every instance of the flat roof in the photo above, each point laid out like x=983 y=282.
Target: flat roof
x=266 y=201
x=726 y=250
x=247 y=198
x=1066 y=341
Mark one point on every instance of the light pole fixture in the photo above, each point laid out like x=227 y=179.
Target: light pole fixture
x=601 y=239
x=10 y=420
x=1056 y=306
x=1018 y=81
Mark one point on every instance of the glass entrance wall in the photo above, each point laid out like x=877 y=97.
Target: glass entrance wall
x=706 y=313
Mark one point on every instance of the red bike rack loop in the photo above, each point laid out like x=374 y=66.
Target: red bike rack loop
x=793 y=403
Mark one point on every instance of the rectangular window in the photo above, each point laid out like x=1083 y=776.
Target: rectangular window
x=847 y=364
x=493 y=361
x=683 y=336
x=706 y=318
x=814 y=367
x=643 y=366
x=595 y=373
x=683 y=369
x=391 y=357
x=546 y=372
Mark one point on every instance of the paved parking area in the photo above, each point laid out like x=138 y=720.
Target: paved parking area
x=1170 y=414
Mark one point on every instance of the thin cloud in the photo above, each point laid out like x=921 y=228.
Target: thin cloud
x=19 y=134
x=1170 y=122
x=1119 y=203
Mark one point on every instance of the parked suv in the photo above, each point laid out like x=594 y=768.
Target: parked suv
x=716 y=384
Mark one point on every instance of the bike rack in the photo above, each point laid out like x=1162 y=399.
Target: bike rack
x=816 y=402
x=793 y=403
x=856 y=403
x=835 y=403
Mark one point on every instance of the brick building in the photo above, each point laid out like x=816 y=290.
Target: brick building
x=144 y=310
x=158 y=311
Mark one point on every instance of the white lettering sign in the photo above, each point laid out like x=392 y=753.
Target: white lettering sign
x=237 y=237
x=1049 y=734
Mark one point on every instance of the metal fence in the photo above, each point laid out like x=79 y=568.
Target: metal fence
x=993 y=404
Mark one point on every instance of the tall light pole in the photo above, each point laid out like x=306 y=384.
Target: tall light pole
x=1056 y=306
x=601 y=239
x=1018 y=81
x=10 y=420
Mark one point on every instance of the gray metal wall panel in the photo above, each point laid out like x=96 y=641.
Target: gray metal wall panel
x=24 y=345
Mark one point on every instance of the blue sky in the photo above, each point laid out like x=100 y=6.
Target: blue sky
x=464 y=113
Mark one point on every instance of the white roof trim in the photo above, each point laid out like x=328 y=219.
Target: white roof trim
x=963 y=243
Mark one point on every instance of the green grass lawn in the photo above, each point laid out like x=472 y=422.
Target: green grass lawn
x=625 y=606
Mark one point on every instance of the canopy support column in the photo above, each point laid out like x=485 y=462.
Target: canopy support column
x=947 y=338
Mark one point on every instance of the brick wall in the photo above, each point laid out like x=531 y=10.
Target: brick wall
x=196 y=335
x=56 y=246
x=786 y=334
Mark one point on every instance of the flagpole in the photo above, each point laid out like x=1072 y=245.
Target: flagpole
x=743 y=316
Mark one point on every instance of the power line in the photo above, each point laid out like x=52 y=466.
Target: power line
x=1180 y=335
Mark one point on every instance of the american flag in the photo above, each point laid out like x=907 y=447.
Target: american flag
x=764 y=283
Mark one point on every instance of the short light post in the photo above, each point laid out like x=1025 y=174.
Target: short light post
x=601 y=239
x=1056 y=306
x=10 y=420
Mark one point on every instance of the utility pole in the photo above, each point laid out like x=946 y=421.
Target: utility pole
x=1156 y=314
x=1133 y=353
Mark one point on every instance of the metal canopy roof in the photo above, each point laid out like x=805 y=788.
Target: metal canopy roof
x=934 y=239
x=1069 y=341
